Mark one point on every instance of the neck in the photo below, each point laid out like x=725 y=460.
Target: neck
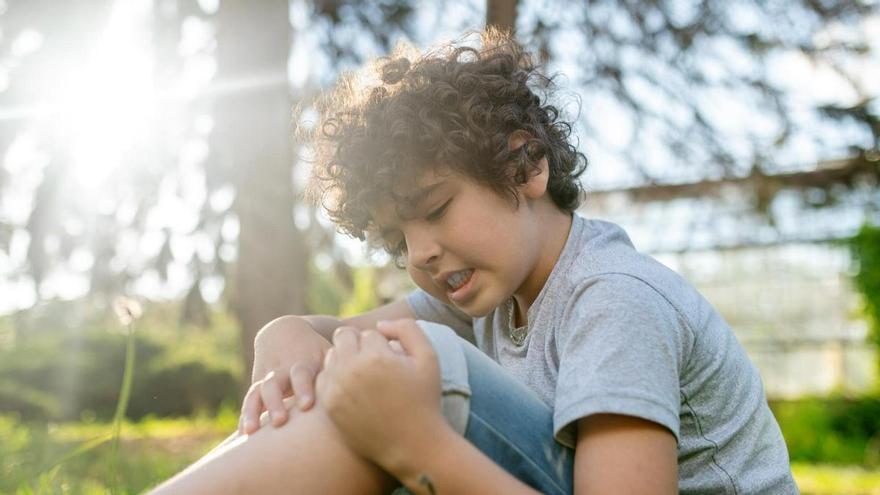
x=553 y=229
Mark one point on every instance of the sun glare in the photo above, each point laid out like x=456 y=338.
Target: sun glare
x=107 y=105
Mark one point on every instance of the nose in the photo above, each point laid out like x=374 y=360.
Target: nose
x=423 y=250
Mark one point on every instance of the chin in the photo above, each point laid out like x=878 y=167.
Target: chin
x=475 y=310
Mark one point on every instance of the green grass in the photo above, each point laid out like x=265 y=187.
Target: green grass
x=78 y=458
x=152 y=450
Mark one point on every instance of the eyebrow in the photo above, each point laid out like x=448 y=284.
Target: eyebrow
x=414 y=199
x=420 y=194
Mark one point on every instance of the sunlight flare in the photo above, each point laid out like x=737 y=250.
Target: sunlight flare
x=108 y=105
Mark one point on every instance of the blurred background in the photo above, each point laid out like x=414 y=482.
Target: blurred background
x=151 y=218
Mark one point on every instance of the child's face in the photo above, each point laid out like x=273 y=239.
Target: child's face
x=463 y=233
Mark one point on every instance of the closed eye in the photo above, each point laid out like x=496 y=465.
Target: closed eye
x=436 y=214
x=398 y=253
x=396 y=248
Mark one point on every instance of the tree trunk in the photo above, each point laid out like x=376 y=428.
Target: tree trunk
x=254 y=141
x=501 y=14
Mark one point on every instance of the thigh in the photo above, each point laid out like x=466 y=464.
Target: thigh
x=505 y=419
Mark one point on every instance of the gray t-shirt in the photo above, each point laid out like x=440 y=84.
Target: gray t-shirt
x=615 y=331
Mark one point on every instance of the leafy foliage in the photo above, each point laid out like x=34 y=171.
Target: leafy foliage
x=836 y=430
x=865 y=249
x=694 y=55
x=674 y=71
x=363 y=297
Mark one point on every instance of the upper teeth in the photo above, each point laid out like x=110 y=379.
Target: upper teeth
x=458 y=279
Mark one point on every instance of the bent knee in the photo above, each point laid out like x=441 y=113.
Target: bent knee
x=289 y=404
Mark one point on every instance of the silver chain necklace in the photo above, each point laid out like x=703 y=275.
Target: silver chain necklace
x=517 y=334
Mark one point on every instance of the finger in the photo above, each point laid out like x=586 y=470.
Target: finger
x=251 y=408
x=302 y=379
x=270 y=391
x=374 y=341
x=345 y=341
x=321 y=383
x=330 y=358
x=257 y=374
x=412 y=338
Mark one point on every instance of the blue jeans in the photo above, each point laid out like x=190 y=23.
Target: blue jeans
x=499 y=415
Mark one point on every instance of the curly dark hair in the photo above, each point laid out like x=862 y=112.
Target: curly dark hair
x=456 y=107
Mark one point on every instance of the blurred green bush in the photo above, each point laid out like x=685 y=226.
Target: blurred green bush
x=64 y=361
x=834 y=430
x=864 y=248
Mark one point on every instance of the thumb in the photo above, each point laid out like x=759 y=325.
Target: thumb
x=411 y=336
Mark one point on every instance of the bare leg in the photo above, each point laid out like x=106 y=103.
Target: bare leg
x=305 y=456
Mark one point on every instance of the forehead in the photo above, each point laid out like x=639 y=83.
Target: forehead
x=407 y=197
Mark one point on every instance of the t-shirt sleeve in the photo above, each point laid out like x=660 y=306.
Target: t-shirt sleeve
x=620 y=348
x=427 y=307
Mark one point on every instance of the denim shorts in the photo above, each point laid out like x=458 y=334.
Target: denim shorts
x=499 y=415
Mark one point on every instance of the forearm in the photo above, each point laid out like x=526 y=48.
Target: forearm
x=323 y=325
x=449 y=464
x=326 y=325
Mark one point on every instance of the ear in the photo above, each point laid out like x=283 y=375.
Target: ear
x=536 y=185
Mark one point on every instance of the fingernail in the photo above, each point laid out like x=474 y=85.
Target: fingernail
x=303 y=401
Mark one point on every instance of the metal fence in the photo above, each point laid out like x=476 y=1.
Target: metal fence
x=793 y=308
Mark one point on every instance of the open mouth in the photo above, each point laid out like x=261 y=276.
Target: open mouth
x=458 y=279
x=459 y=283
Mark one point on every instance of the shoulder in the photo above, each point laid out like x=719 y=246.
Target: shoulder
x=607 y=273
x=603 y=251
x=618 y=294
x=620 y=312
x=623 y=349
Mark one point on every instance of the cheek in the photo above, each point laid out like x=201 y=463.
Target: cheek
x=426 y=283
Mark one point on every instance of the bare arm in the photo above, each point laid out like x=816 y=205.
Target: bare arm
x=615 y=454
x=325 y=325
x=448 y=463
x=624 y=454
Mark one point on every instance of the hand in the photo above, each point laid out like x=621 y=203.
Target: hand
x=385 y=403
x=288 y=354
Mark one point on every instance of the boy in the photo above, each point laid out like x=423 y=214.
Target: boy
x=608 y=372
